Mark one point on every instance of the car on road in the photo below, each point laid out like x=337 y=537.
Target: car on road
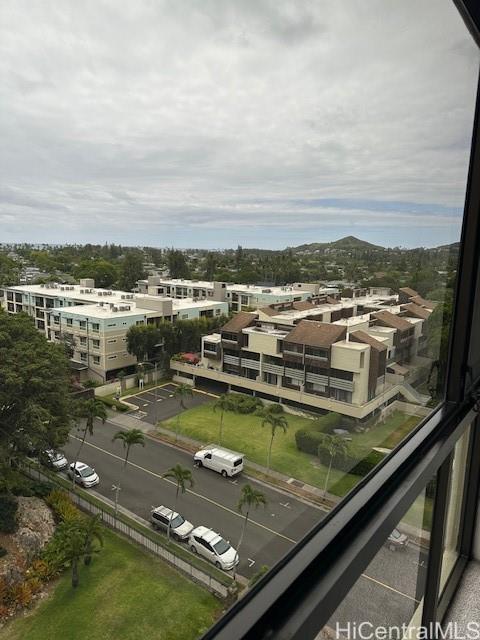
x=84 y=474
x=221 y=460
x=212 y=546
x=397 y=540
x=56 y=460
x=179 y=527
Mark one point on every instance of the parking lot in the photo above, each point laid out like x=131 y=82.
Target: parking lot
x=159 y=403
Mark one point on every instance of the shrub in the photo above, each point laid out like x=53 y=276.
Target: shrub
x=90 y=384
x=111 y=402
x=3 y=552
x=46 y=567
x=42 y=489
x=62 y=506
x=242 y=403
x=308 y=441
x=20 y=595
x=35 y=584
x=328 y=422
x=368 y=463
x=8 y=512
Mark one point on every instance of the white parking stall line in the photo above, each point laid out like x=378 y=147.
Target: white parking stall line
x=250 y=562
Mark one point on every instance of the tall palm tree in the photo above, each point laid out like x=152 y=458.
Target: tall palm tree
x=335 y=446
x=93 y=532
x=250 y=498
x=222 y=404
x=129 y=439
x=275 y=421
x=88 y=409
x=182 y=392
x=181 y=476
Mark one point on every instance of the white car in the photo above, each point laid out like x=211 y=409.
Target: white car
x=84 y=474
x=212 y=546
x=179 y=527
x=56 y=460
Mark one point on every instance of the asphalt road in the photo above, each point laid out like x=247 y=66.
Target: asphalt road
x=386 y=592
x=160 y=404
x=211 y=502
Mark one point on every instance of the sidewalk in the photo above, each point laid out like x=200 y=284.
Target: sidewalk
x=258 y=472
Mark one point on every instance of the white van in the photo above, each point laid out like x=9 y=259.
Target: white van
x=223 y=461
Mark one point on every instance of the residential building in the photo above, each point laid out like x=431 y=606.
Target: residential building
x=240 y=297
x=96 y=321
x=319 y=355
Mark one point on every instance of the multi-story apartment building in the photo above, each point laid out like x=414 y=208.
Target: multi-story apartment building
x=319 y=355
x=240 y=297
x=96 y=321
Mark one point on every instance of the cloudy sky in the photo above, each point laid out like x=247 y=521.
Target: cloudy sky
x=211 y=123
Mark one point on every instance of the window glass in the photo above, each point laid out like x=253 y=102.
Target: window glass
x=456 y=492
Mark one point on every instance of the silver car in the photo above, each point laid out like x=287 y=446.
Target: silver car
x=179 y=527
x=56 y=460
x=84 y=474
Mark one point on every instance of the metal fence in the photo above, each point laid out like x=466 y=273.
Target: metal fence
x=108 y=519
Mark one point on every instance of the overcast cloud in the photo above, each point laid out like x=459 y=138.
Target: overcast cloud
x=213 y=123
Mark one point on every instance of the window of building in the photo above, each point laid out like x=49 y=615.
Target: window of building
x=111 y=340
x=96 y=359
x=69 y=322
x=18 y=297
x=95 y=326
x=83 y=356
x=83 y=341
x=82 y=324
x=96 y=344
x=111 y=357
x=10 y=295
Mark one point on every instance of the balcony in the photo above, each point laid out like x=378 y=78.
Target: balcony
x=297 y=374
x=272 y=368
x=235 y=360
x=316 y=378
x=338 y=383
x=250 y=364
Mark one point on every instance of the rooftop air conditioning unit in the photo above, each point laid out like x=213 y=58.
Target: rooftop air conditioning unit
x=99 y=293
x=82 y=290
x=114 y=308
x=42 y=286
x=123 y=297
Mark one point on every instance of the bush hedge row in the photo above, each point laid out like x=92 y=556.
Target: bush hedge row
x=241 y=403
x=111 y=402
x=312 y=442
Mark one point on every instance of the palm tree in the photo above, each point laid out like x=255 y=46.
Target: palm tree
x=182 y=392
x=250 y=498
x=275 y=421
x=181 y=476
x=129 y=439
x=222 y=404
x=71 y=542
x=335 y=446
x=88 y=409
x=93 y=531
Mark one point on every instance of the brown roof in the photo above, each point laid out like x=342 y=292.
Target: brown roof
x=391 y=320
x=398 y=369
x=362 y=336
x=331 y=300
x=316 y=334
x=416 y=311
x=303 y=305
x=269 y=311
x=408 y=291
x=428 y=304
x=239 y=321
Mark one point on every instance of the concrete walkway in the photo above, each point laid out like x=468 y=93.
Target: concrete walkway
x=292 y=485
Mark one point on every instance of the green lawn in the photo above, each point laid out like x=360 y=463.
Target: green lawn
x=126 y=594
x=244 y=433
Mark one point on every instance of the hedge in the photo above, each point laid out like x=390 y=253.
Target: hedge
x=111 y=402
x=242 y=403
x=312 y=442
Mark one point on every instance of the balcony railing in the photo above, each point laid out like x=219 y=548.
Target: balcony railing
x=231 y=360
x=272 y=368
x=297 y=374
x=316 y=378
x=250 y=364
x=338 y=383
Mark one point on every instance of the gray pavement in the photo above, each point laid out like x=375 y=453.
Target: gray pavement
x=386 y=593
x=159 y=403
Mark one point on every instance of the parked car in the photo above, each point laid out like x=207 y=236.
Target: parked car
x=223 y=461
x=56 y=460
x=397 y=540
x=84 y=474
x=179 y=527
x=212 y=546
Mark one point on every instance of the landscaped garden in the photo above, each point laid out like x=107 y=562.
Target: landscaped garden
x=124 y=594
x=244 y=432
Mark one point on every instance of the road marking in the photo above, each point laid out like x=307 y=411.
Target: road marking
x=233 y=481
x=194 y=493
x=145 y=405
x=387 y=586
x=286 y=505
x=159 y=399
x=250 y=562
